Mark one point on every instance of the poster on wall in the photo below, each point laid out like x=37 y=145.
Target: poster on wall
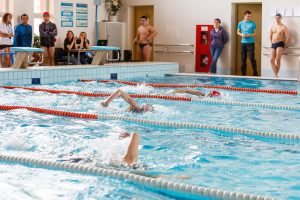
x=67 y=15
x=81 y=15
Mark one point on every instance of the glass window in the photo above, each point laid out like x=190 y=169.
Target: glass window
x=36 y=24
x=40 y=6
x=3 y=5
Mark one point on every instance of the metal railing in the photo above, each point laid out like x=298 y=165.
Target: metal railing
x=268 y=47
x=291 y=54
x=183 y=52
x=174 y=45
x=285 y=54
x=165 y=48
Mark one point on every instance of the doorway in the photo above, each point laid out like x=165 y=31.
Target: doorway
x=256 y=9
x=139 y=11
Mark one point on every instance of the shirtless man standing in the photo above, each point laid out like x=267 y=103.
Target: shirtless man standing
x=279 y=36
x=144 y=38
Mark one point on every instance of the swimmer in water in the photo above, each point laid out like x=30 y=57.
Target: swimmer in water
x=130 y=159
x=134 y=107
x=199 y=93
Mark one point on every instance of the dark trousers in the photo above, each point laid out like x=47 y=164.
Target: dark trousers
x=215 y=54
x=248 y=48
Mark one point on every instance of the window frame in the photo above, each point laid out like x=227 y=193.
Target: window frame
x=39 y=15
x=6 y=8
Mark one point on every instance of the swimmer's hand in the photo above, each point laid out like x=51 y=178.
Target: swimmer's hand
x=124 y=135
x=104 y=104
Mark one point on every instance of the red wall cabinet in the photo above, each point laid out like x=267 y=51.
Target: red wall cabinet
x=203 y=56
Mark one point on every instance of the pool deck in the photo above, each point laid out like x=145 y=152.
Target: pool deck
x=230 y=76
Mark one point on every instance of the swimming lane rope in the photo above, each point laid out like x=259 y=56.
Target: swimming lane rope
x=173 y=98
x=184 y=125
x=160 y=85
x=154 y=182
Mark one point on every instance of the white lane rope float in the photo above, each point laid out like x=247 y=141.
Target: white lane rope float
x=183 y=125
x=158 y=183
x=188 y=125
x=164 y=97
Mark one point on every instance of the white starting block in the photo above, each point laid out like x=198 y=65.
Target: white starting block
x=100 y=51
x=24 y=54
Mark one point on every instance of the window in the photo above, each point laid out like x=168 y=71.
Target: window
x=36 y=24
x=39 y=7
x=3 y=6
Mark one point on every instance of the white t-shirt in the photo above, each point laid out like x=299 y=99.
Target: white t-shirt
x=4 y=28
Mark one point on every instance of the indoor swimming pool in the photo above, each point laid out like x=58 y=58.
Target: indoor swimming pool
x=205 y=157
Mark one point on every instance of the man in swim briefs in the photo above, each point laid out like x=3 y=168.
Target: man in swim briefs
x=144 y=38
x=199 y=93
x=134 y=107
x=279 y=37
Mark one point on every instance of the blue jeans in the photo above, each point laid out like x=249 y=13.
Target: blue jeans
x=215 y=54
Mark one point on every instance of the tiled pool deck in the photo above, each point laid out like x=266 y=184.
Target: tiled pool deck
x=48 y=75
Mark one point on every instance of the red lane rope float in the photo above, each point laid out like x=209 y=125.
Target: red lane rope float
x=52 y=112
x=89 y=94
x=159 y=85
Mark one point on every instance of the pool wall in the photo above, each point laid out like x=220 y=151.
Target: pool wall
x=48 y=75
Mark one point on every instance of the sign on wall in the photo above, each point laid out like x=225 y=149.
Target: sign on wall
x=81 y=15
x=67 y=16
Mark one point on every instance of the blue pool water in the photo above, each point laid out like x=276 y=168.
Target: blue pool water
x=212 y=159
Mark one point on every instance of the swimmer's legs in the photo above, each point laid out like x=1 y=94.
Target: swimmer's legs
x=193 y=92
x=132 y=153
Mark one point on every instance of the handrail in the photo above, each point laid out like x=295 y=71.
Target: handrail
x=285 y=54
x=173 y=45
x=191 y=52
x=268 y=47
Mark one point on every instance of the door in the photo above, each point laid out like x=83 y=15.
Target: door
x=256 y=10
x=139 y=11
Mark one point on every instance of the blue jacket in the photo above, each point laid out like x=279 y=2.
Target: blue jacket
x=23 y=36
x=218 y=39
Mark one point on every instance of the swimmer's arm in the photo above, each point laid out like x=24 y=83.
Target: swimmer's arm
x=153 y=33
x=125 y=96
x=132 y=153
x=133 y=104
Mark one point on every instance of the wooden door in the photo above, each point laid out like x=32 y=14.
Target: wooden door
x=256 y=10
x=139 y=11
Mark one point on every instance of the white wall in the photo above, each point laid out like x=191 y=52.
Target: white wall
x=175 y=21
x=290 y=64
x=55 y=9
x=19 y=7
x=26 y=6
